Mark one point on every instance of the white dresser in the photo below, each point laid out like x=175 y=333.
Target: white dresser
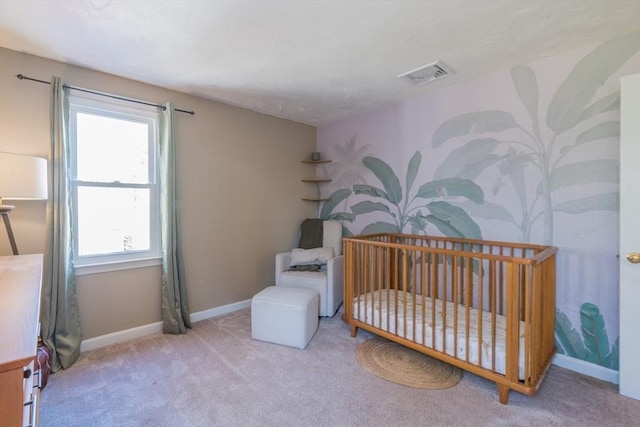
x=20 y=286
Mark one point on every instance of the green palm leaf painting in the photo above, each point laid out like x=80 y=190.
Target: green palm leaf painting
x=546 y=153
x=568 y=340
x=591 y=343
x=345 y=171
x=328 y=207
x=404 y=208
x=594 y=334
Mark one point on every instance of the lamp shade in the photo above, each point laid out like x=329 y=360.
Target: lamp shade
x=22 y=177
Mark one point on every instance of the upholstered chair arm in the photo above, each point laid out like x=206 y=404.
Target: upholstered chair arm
x=283 y=260
x=335 y=268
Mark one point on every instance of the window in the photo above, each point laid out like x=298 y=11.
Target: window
x=114 y=183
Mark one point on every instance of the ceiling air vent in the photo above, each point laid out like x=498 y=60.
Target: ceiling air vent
x=427 y=73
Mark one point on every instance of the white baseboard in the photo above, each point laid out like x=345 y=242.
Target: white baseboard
x=120 y=336
x=152 y=328
x=219 y=311
x=586 y=368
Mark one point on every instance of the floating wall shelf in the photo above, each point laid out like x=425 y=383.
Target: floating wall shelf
x=316 y=181
x=317 y=161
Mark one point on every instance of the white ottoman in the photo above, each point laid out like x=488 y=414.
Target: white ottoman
x=287 y=316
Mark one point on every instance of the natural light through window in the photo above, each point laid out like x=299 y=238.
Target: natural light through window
x=112 y=220
x=115 y=191
x=111 y=149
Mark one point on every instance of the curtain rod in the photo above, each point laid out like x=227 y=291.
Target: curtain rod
x=22 y=77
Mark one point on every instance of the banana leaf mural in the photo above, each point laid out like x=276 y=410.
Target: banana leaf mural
x=547 y=151
x=541 y=159
x=345 y=171
x=328 y=207
x=593 y=344
x=405 y=208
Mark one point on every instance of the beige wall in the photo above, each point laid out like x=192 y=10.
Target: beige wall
x=239 y=192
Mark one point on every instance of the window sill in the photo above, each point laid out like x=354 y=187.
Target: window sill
x=105 y=267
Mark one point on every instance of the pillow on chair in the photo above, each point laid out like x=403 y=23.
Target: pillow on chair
x=316 y=256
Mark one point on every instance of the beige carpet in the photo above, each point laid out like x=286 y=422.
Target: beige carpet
x=216 y=375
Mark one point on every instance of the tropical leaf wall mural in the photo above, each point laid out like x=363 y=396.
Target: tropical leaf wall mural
x=407 y=211
x=529 y=154
x=404 y=208
x=345 y=171
x=591 y=343
x=554 y=158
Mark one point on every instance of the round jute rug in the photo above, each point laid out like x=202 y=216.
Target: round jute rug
x=401 y=365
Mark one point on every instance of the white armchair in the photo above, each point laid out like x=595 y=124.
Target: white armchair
x=328 y=281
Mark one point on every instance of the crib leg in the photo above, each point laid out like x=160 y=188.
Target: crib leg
x=503 y=393
x=354 y=330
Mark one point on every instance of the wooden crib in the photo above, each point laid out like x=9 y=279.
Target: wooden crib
x=486 y=307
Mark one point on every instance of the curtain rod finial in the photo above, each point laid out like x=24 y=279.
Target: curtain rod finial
x=20 y=76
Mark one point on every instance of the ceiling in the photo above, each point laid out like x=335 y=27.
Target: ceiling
x=313 y=62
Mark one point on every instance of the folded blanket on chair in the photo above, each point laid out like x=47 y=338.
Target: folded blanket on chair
x=310 y=267
x=311 y=233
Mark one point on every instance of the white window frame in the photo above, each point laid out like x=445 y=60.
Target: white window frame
x=89 y=264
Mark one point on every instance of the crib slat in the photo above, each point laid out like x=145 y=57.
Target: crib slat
x=512 y=322
x=423 y=291
x=549 y=294
x=468 y=300
x=379 y=272
x=502 y=289
x=347 y=281
x=454 y=299
x=480 y=288
x=494 y=294
x=414 y=285
x=532 y=329
x=444 y=303
x=404 y=290
x=434 y=296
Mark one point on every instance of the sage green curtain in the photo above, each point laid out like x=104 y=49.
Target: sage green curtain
x=59 y=315
x=175 y=307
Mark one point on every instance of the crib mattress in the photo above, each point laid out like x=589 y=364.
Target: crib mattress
x=404 y=315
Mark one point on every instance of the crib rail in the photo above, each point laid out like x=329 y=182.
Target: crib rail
x=485 y=306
